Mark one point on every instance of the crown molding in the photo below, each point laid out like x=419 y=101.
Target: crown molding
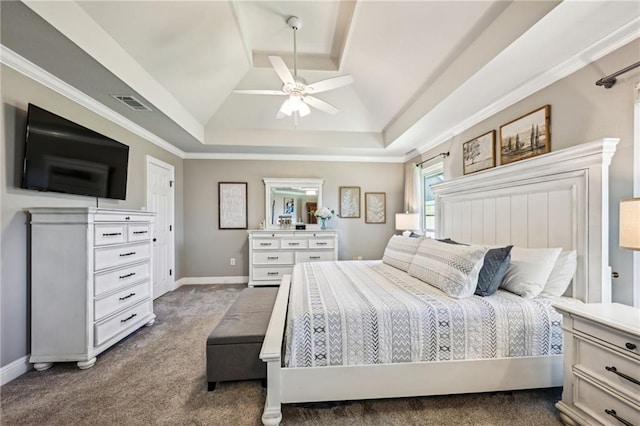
x=34 y=72
x=612 y=42
x=291 y=157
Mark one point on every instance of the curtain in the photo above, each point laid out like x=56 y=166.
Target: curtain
x=413 y=190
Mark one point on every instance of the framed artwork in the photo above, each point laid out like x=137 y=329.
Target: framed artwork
x=526 y=136
x=288 y=206
x=375 y=207
x=349 y=201
x=232 y=205
x=479 y=153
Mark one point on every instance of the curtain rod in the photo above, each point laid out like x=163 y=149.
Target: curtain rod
x=442 y=154
x=610 y=80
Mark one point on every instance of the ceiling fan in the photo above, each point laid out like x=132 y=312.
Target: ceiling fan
x=296 y=88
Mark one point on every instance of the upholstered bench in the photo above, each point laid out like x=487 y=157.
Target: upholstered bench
x=233 y=347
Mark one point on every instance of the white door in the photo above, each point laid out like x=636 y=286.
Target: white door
x=160 y=183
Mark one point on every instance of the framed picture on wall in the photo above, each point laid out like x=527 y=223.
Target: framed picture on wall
x=349 y=201
x=375 y=207
x=232 y=205
x=479 y=153
x=526 y=136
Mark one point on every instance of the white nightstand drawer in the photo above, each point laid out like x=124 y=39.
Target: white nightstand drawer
x=110 y=234
x=602 y=406
x=294 y=244
x=127 y=297
x=107 y=257
x=266 y=244
x=273 y=258
x=630 y=344
x=139 y=232
x=321 y=243
x=274 y=273
x=314 y=256
x=108 y=281
x=120 y=322
x=610 y=367
x=119 y=217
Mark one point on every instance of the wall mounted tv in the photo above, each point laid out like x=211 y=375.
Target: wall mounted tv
x=62 y=156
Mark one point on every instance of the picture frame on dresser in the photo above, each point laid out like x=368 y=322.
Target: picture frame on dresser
x=232 y=205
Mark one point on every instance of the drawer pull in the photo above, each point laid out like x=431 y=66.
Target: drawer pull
x=127 y=254
x=624 y=376
x=265 y=244
x=272 y=257
x=127 y=218
x=321 y=244
x=129 y=317
x=314 y=257
x=294 y=244
x=122 y=277
x=139 y=232
x=111 y=234
x=273 y=273
x=630 y=346
x=618 y=418
x=128 y=296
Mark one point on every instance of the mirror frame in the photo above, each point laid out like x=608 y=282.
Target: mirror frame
x=270 y=183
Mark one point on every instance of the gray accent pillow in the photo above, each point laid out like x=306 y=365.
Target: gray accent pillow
x=496 y=262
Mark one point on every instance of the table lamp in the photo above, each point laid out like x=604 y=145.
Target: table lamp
x=629 y=237
x=407 y=222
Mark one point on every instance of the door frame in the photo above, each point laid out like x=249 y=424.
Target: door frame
x=172 y=251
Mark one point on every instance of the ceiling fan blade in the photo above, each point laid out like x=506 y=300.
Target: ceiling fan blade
x=259 y=92
x=284 y=111
x=321 y=105
x=282 y=70
x=328 y=84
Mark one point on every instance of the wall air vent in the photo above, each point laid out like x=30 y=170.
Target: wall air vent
x=131 y=102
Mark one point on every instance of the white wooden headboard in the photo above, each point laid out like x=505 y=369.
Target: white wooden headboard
x=560 y=199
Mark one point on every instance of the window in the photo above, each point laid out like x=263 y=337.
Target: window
x=430 y=175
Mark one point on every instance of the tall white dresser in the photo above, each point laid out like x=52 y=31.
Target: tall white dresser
x=91 y=281
x=601 y=364
x=272 y=253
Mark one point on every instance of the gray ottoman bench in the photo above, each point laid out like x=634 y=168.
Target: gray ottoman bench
x=233 y=347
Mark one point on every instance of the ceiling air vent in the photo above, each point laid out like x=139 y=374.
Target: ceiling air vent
x=131 y=102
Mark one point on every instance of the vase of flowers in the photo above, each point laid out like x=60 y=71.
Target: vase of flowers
x=323 y=214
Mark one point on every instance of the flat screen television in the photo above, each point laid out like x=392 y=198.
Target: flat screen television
x=62 y=156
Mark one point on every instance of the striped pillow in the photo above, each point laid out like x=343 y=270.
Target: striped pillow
x=400 y=250
x=452 y=268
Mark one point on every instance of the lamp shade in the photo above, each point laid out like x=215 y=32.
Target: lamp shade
x=407 y=221
x=630 y=224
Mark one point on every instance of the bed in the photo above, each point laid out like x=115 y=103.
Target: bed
x=556 y=200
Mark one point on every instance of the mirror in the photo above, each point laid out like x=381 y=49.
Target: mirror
x=290 y=201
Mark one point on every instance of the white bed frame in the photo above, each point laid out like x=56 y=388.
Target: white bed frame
x=555 y=200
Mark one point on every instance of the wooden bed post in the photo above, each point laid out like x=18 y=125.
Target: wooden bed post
x=271 y=354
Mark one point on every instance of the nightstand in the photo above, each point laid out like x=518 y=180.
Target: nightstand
x=601 y=364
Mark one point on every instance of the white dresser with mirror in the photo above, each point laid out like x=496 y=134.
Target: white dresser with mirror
x=274 y=250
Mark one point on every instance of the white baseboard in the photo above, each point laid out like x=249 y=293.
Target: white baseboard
x=14 y=370
x=211 y=280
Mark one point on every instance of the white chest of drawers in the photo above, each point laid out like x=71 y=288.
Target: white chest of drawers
x=272 y=254
x=91 y=281
x=601 y=365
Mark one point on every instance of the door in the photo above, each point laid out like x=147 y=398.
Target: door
x=160 y=199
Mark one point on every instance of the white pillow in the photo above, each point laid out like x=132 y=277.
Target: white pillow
x=529 y=270
x=400 y=250
x=561 y=274
x=451 y=268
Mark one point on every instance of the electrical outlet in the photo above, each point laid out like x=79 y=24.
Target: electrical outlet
x=232 y=261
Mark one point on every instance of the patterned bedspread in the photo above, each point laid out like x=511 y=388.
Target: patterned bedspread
x=367 y=312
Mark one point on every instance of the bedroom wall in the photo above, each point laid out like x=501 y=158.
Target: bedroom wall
x=209 y=248
x=17 y=92
x=581 y=112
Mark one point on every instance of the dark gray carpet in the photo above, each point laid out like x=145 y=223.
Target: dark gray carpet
x=157 y=377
